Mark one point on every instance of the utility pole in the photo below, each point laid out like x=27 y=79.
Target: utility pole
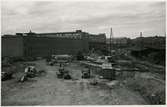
x=141 y=40
x=111 y=36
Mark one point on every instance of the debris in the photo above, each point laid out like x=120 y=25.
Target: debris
x=6 y=75
x=68 y=90
x=23 y=78
x=41 y=71
x=94 y=82
x=101 y=77
x=51 y=63
x=113 y=84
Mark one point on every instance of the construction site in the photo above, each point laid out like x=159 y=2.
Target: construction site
x=79 y=68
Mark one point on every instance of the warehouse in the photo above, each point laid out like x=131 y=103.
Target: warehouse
x=46 y=44
x=12 y=46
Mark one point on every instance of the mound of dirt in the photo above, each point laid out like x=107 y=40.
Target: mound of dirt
x=152 y=89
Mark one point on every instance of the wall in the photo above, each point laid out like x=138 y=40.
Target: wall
x=99 y=38
x=97 y=46
x=46 y=46
x=12 y=46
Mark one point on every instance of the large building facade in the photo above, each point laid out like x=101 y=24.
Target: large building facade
x=12 y=46
x=46 y=44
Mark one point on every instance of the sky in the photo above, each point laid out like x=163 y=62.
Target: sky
x=127 y=19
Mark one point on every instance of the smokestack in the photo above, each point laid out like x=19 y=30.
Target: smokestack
x=141 y=35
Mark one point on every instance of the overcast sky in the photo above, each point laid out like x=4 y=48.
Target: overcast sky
x=126 y=18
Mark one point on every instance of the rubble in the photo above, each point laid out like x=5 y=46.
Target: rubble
x=6 y=75
x=113 y=84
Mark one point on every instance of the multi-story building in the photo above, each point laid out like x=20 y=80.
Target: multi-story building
x=45 y=44
x=116 y=43
x=12 y=45
x=97 y=42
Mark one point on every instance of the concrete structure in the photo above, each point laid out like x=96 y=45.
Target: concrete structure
x=12 y=46
x=97 y=42
x=46 y=44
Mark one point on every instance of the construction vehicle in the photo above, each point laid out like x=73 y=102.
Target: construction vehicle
x=30 y=72
x=66 y=75
x=62 y=73
x=86 y=73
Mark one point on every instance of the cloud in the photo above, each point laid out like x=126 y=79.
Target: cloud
x=127 y=19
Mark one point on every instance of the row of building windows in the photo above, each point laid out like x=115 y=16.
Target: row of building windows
x=68 y=35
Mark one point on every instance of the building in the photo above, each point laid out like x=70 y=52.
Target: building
x=121 y=42
x=97 y=42
x=45 y=44
x=155 y=42
x=12 y=46
x=152 y=49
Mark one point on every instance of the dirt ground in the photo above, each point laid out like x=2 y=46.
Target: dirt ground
x=49 y=90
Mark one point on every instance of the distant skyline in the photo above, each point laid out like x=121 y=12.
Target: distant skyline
x=127 y=19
